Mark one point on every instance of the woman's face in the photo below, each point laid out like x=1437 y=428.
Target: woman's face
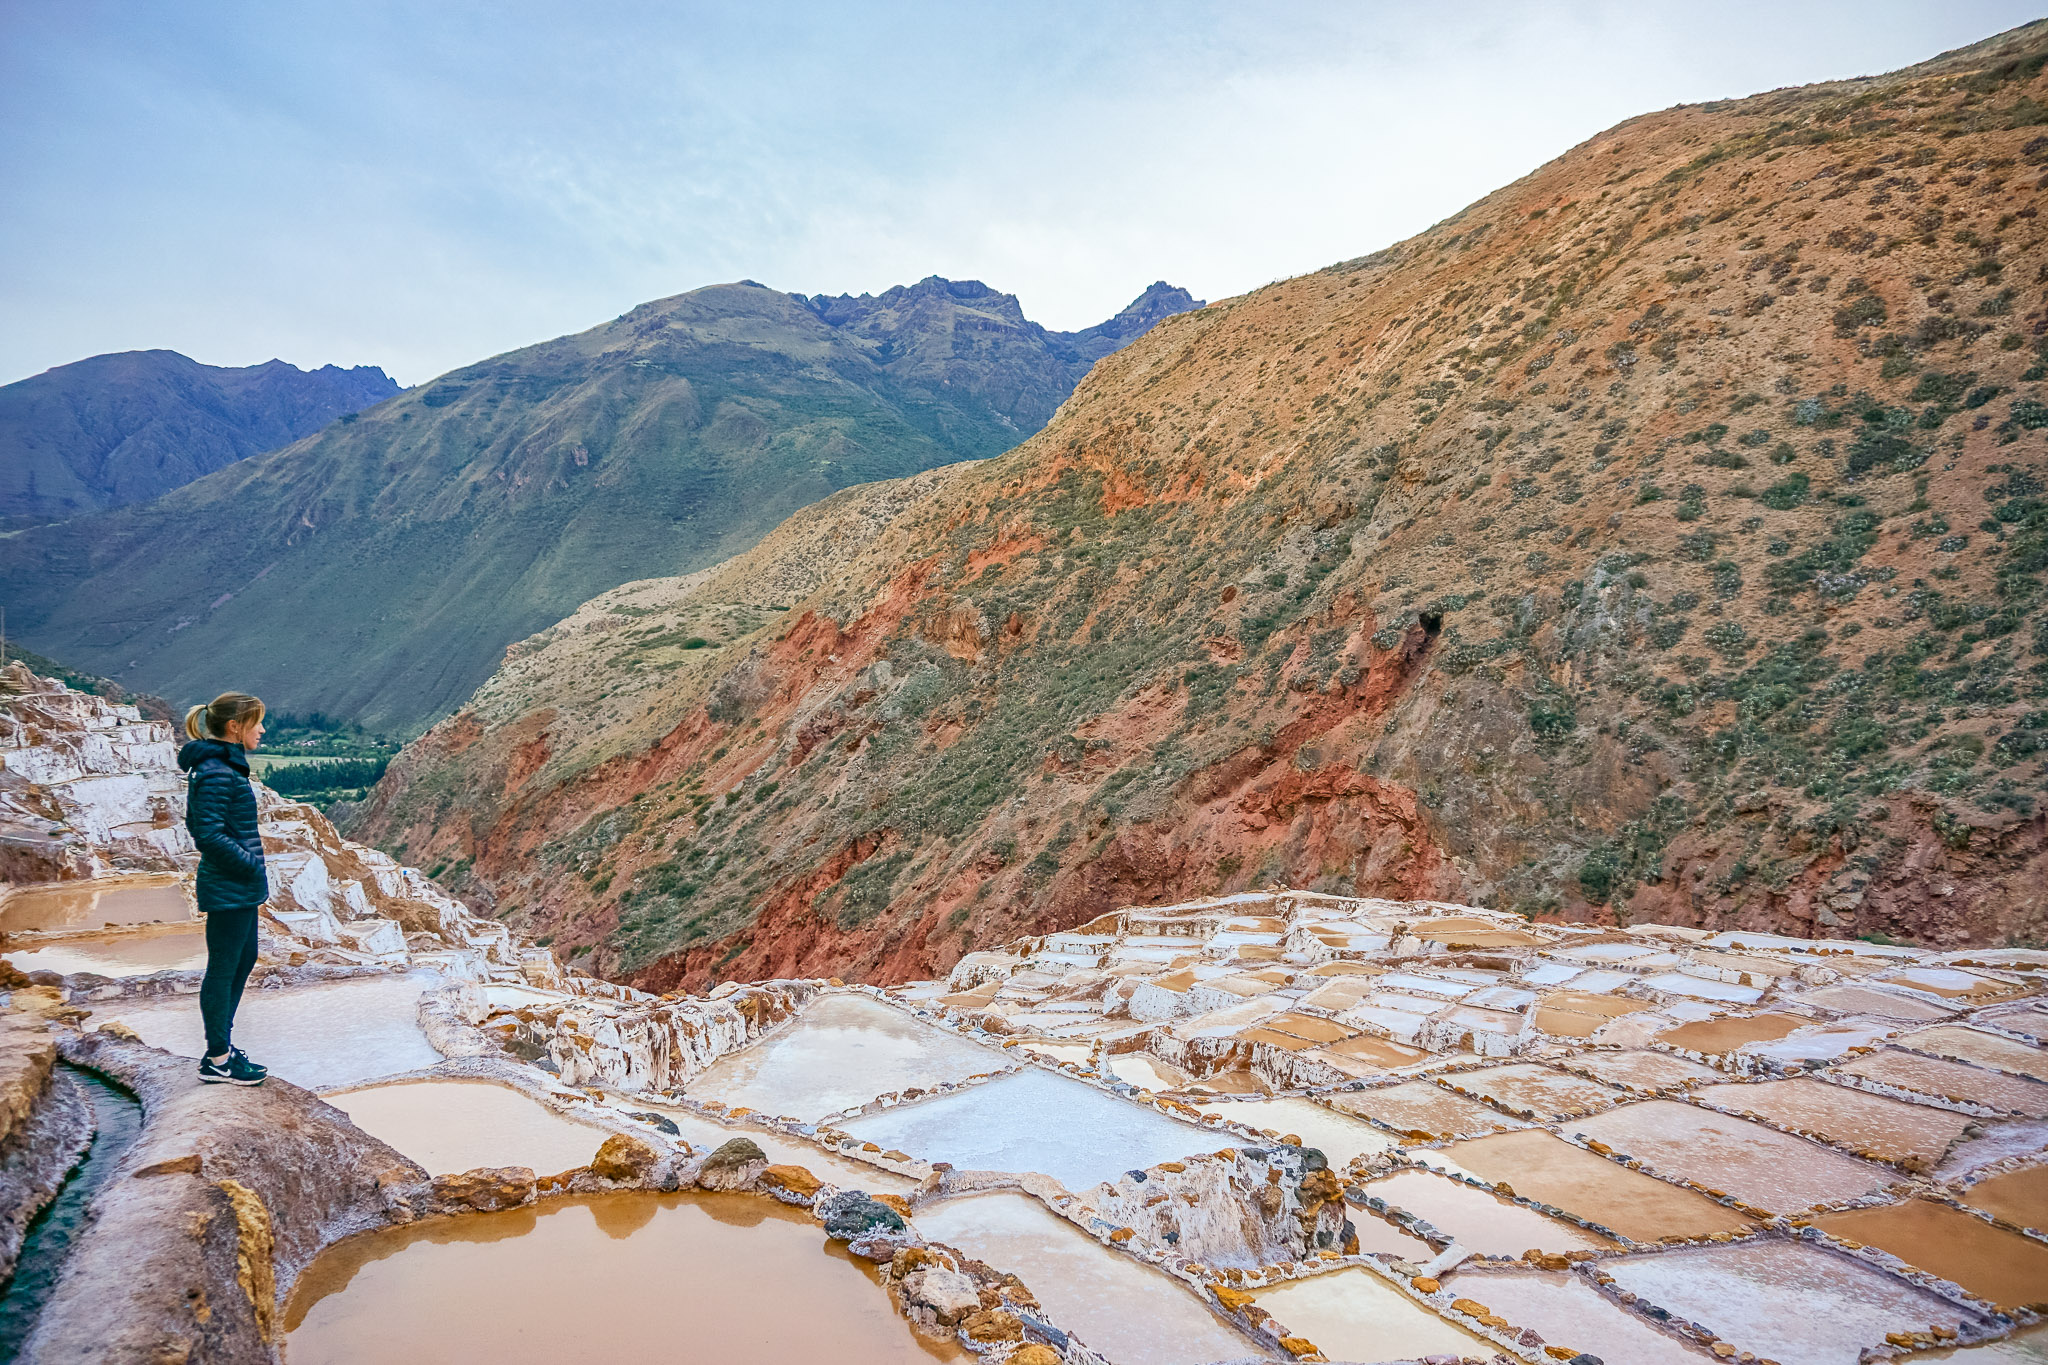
x=248 y=733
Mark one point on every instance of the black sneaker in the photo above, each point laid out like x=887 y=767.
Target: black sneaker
x=236 y=1070
x=255 y=1069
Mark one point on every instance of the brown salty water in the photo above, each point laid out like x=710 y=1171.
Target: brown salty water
x=2004 y=1267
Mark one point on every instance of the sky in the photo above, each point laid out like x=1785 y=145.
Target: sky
x=422 y=185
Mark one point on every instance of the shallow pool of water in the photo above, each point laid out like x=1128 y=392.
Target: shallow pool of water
x=97 y=904
x=453 y=1126
x=1356 y=1315
x=117 y=1121
x=2019 y=1197
x=1034 y=1121
x=1147 y=1072
x=1787 y=1301
x=116 y=955
x=1568 y=1312
x=842 y=1051
x=1128 y=1312
x=1757 y=1165
x=1714 y=1036
x=335 y=1033
x=2004 y=1267
x=1552 y=1171
x=598 y=1280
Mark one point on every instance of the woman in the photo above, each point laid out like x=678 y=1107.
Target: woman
x=220 y=811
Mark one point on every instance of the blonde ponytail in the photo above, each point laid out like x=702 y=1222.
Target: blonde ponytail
x=229 y=708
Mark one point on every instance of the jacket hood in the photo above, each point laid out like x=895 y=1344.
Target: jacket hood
x=196 y=752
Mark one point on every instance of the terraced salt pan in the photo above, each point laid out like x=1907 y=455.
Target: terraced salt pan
x=116 y=955
x=1975 y=1045
x=598 y=1280
x=2019 y=1197
x=1425 y=1107
x=1950 y=983
x=842 y=1051
x=1126 y=1311
x=1757 y=1165
x=1869 y=1000
x=1413 y=983
x=454 y=1126
x=1552 y=973
x=331 y=1034
x=1701 y=988
x=1566 y=1311
x=1951 y=1080
x=1338 y=1138
x=2003 y=1267
x=1551 y=1171
x=1711 y=1037
x=1643 y=1070
x=1581 y=1014
x=1787 y=1301
x=1821 y=1042
x=1147 y=1072
x=76 y=907
x=1356 y=1315
x=1895 y=1130
x=1060 y=1052
x=1544 y=1091
x=2000 y=1141
x=1034 y=1121
x=1479 y=1221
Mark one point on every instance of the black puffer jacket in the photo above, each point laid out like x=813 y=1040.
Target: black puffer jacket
x=220 y=811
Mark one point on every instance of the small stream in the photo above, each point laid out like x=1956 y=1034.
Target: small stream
x=117 y=1119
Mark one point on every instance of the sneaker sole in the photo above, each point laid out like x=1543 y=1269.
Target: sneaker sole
x=230 y=1080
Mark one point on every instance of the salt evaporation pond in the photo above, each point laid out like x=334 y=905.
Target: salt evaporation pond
x=1128 y=1312
x=1787 y=1301
x=1757 y=1165
x=1951 y=1080
x=840 y=1052
x=1569 y=1312
x=1336 y=1136
x=1478 y=1221
x=593 y=1281
x=1147 y=1072
x=1642 y=1069
x=334 y=1033
x=1715 y=1036
x=1985 y=1049
x=2019 y=1197
x=1425 y=1107
x=454 y=1126
x=1034 y=1121
x=2003 y=1267
x=1552 y=1171
x=74 y=907
x=116 y=955
x=1893 y=1129
x=1542 y=1090
x=2029 y=1347
x=1356 y=1315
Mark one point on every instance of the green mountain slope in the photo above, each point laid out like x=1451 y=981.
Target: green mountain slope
x=123 y=428
x=378 y=569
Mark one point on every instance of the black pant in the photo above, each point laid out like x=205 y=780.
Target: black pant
x=230 y=955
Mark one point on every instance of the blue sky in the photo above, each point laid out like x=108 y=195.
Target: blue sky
x=423 y=185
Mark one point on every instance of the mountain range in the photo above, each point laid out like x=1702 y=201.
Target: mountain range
x=124 y=428
x=1662 y=537
x=379 y=567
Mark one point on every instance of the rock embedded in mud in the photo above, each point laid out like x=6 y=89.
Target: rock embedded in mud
x=735 y=1166
x=793 y=1181
x=852 y=1216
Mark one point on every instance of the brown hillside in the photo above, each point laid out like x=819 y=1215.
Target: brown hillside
x=1660 y=538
